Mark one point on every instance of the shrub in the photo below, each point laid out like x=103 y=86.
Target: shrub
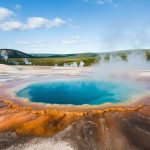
x=106 y=57
x=148 y=55
x=123 y=56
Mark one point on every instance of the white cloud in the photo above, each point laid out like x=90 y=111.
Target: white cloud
x=24 y=43
x=32 y=23
x=102 y=1
x=33 y=44
x=5 y=13
x=99 y=1
x=7 y=23
x=74 y=40
x=18 y=7
x=38 y=22
x=58 y=22
x=10 y=25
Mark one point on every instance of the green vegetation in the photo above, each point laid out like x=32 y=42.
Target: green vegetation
x=2 y=61
x=107 y=57
x=148 y=55
x=17 y=57
x=123 y=56
x=53 y=61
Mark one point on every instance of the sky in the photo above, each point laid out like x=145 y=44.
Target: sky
x=74 y=26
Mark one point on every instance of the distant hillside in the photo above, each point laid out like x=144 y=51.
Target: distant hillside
x=87 y=55
x=13 y=54
x=14 y=57
x=78 y=55
x=18 y=54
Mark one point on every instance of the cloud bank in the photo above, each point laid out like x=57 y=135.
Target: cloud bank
x=8 y=23
x=5 y=13
x=33 y=44
x=74 y=40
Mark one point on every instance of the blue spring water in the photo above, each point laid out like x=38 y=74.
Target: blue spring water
x=80 y=92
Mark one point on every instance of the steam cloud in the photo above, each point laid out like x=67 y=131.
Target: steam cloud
x=116 y=66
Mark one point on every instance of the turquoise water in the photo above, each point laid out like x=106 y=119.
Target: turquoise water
x=80 y=92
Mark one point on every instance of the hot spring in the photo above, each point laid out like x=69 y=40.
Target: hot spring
x=80 y=92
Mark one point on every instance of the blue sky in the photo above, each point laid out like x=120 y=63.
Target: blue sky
x=74 y=26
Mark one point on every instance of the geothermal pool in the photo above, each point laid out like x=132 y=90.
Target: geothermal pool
x=80 y=92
